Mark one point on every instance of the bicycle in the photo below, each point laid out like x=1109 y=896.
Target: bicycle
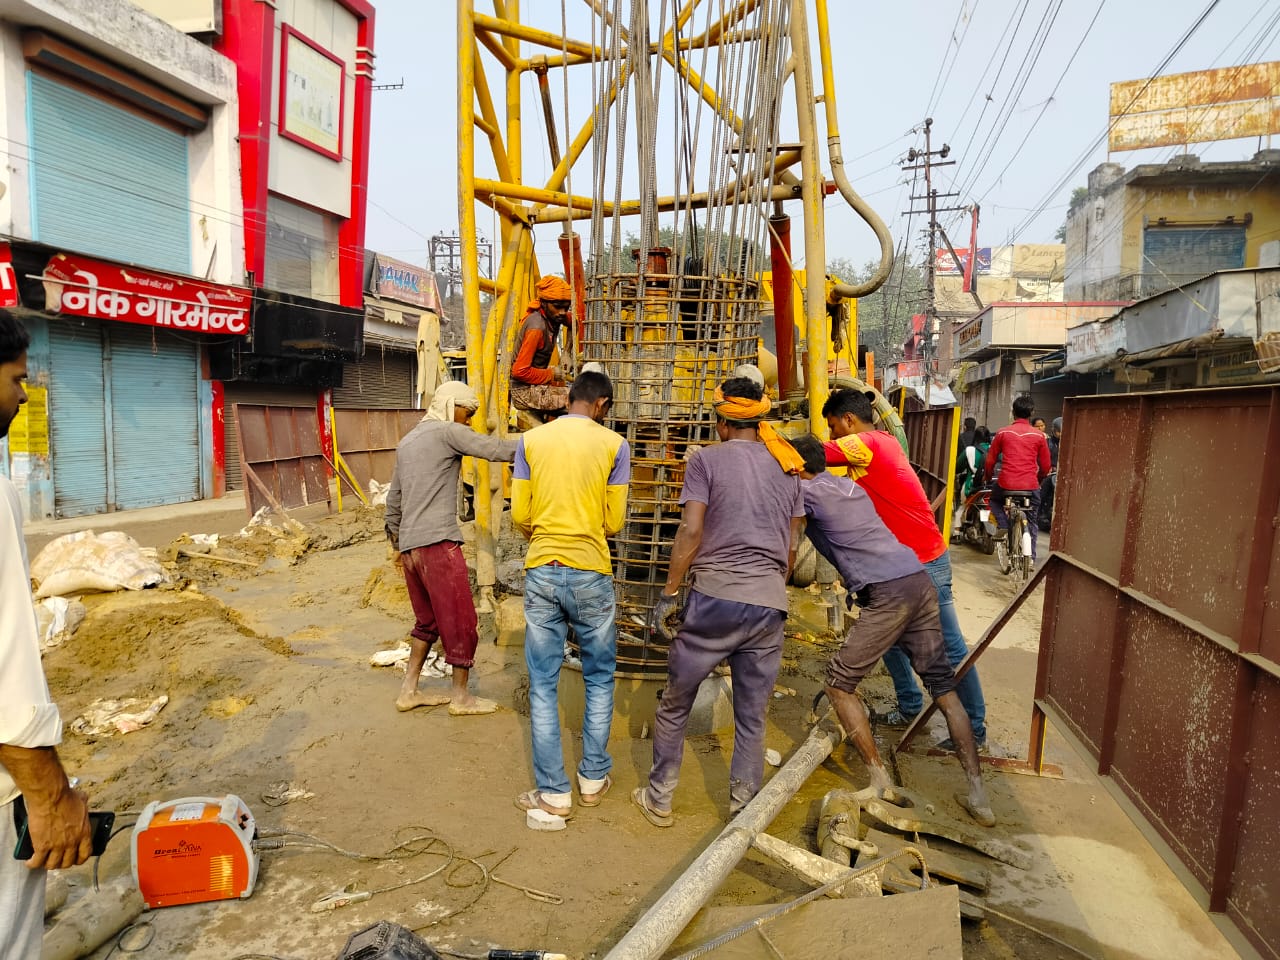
x=1013 y=551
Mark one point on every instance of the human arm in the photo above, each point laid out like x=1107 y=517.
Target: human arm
x=522 y=493
x=483 y=446
x=522 y=367
x=851 y=452
x=685 y=548
x=615 y=494
x=391 y=523
x=57 y=814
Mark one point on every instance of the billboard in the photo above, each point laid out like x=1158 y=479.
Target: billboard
x=945 y=266
x=1227 y=103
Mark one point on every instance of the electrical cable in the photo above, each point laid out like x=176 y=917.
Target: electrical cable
x=120 y=947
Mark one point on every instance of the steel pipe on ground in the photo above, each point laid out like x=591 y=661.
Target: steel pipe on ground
x=662 y=923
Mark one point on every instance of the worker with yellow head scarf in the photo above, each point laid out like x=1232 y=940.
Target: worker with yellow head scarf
x=536 y=383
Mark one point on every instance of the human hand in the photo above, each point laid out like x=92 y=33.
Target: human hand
x=666 y=616
x=60 y=831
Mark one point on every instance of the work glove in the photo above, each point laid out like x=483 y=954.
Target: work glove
x=665 y=617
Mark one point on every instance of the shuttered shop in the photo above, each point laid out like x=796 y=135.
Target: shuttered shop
x=263 y=393
x=383 y=380
x=124 y=414
x=105 y=180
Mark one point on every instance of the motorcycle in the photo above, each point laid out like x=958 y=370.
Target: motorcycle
x=973 y=523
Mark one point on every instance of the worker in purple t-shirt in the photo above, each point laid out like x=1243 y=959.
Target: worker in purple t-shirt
x=737 y=540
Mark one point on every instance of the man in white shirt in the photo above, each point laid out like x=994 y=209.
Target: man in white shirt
x=30 y=727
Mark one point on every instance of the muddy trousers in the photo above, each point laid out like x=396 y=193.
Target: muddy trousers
x=21 y=897
x=750 y=638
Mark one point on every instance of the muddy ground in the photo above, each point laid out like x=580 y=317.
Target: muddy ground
x=267 y=671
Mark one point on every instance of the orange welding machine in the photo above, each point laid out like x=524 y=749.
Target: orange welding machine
x=193 y=850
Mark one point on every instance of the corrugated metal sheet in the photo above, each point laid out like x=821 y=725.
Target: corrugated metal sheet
x=931 y=439
x=383 y=380
x=155 y=418
x=257 y=393
x=1160 y=647
x=76 y=418
x=105 y=180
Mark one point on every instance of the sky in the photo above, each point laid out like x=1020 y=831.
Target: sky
x=1019 y=90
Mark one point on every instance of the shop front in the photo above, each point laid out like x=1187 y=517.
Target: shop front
x=120 y=415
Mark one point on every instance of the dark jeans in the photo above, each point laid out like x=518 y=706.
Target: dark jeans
x=1002 y=518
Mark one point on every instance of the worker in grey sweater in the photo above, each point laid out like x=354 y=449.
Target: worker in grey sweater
x=422 y=526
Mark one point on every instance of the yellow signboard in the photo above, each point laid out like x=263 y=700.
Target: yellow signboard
x=29 y=432
x=1227 y=103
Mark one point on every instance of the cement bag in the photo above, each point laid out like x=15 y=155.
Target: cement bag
x=57 y=619
x=86 y=562
x=378 y=493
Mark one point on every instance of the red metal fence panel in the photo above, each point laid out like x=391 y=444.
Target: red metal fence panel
x=931 y=439
x=367 y=440
x=283 y=460
x=1160 y=644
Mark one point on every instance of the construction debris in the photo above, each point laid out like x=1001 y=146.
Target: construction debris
x=87 y=562
x=57 y=619
x=105 y=718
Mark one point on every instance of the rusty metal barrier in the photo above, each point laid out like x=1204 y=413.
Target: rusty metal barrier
x=281 y=455
x=1160 y=642
x=932 y=438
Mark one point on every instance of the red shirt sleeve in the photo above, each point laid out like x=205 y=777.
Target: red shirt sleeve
x=835 y=456
x=522 y=367
x=1046 y=464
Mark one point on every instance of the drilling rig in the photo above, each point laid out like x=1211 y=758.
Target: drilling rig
x=697 y=123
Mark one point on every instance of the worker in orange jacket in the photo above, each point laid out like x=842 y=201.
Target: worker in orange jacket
x=537 y=384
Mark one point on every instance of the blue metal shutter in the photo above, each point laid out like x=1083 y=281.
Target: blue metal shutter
x=106 y=181
x=155 y=417
x=77 y=419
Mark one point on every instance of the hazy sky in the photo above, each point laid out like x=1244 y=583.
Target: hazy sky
x=895 y=63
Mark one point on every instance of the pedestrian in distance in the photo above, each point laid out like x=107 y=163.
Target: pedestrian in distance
x=422 y=528
x=898 y=609
x=30 y=726
x=1023 y=453
x=879 y=466
x=737 y=539
x=568 y=494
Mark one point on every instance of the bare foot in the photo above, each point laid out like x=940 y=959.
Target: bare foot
x=419 y=699
x=471 y=707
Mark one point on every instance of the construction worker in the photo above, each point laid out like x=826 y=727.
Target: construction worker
x=537 y=385
x=878 y=465
x=898 y=607
x=422 y=527
x=56 y=814
x=569 y=493
x=737 y=538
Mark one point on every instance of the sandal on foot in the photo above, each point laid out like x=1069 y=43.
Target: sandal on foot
x=532 y=800
x=640 y=797
x=477 y=709
x=593 y=799
x=982 y=815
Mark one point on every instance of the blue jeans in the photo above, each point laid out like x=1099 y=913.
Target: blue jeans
x=556 y=598
x=910 y=699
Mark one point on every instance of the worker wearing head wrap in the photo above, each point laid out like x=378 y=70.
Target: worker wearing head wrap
x=422 y=526
x=737 y=539
x=449 y=397
x=535 y=382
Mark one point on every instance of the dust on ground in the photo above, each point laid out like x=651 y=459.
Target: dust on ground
x=266 y=667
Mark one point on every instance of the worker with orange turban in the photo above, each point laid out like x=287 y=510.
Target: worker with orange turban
x=536 y=384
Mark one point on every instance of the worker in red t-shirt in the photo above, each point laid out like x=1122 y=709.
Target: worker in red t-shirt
x=879 y=466
x=537 y=384
x=1023 y=454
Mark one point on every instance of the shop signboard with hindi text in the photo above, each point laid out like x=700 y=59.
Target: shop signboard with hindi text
x=83 y=287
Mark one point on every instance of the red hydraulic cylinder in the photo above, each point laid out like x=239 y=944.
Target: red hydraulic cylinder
x=784 y=322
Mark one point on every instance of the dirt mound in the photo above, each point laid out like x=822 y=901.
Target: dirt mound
x=384 y=590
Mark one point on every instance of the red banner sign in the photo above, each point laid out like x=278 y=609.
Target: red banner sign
x=92 y=288
x=8 y=279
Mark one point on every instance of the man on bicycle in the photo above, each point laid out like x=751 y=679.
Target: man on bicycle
x=1023 y=454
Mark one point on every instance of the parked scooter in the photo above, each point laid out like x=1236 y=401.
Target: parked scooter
x=973 y=523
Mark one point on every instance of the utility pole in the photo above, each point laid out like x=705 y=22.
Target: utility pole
x=927 y=163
